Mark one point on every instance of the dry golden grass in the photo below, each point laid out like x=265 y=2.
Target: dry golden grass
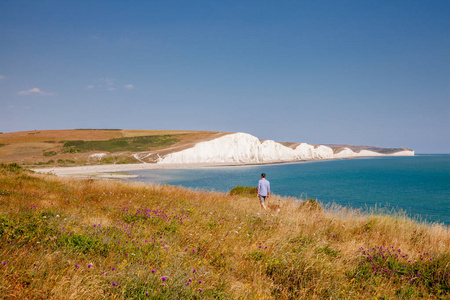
x=94 y=239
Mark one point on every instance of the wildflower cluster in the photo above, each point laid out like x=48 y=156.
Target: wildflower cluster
x=392 y=263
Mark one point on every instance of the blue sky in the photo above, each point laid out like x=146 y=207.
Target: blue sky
x=323 y=72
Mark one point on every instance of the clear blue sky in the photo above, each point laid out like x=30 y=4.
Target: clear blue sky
x=323 y=72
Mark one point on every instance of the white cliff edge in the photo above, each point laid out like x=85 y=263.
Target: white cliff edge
x=243 y=148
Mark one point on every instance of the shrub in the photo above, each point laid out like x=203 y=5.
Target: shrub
x=50 y=153
x=245 y=191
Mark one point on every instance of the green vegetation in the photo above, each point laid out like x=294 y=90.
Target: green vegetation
x=246 y=191
x=1 y=145
x=49 y=162
x=100 y=239
x=50 y=153
x=135 y=144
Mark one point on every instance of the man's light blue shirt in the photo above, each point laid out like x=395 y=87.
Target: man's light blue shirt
x=263 y=187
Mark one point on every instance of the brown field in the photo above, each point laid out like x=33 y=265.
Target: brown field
x=27 y=147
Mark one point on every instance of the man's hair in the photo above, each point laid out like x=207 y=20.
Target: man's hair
x=263 y=175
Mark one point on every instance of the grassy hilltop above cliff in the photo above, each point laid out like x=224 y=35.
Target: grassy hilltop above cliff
x=92 y=239
x=95 y=146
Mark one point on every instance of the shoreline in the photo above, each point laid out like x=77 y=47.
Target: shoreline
x=114 y=171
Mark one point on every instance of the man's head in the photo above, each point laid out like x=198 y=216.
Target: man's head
x=263 y=175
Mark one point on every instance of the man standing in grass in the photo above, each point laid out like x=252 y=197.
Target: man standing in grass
x=263 y=190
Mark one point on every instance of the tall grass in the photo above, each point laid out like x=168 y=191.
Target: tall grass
x=66 y=238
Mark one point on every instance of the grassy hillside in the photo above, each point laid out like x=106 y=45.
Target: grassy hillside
x=90 y=239
x=94 y=146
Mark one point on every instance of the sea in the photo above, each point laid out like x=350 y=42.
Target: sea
x=416 y=186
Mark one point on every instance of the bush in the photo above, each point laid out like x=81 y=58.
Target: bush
x=245 y=191
x=50 y=153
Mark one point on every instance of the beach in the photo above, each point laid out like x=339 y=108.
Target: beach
x=114 y=170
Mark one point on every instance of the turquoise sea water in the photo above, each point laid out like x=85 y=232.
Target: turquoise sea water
x=419 y=185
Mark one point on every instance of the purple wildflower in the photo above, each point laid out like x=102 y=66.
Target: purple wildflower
x=113 y=284
x=163 y=278
x=4 y=263
x=77 y=266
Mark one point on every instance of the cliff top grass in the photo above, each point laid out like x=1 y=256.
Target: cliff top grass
x=134 y=144
x=94 y=239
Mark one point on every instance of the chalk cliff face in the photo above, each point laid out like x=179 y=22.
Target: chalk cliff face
x=241 y=147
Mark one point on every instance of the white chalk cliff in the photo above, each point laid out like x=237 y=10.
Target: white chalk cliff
x=237 y=148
